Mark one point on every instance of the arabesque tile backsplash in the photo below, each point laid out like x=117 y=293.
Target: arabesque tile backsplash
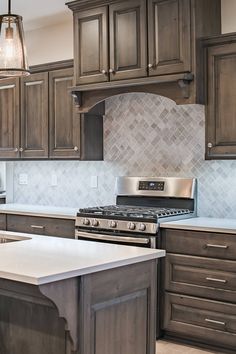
x=145 y=135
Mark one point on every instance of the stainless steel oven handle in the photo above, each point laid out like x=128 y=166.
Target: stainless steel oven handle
x=103 y=237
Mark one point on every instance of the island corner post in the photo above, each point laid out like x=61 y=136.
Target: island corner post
x=106 y=312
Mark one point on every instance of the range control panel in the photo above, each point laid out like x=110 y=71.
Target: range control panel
x=151 y=186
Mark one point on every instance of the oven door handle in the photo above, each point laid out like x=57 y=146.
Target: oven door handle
x=93 y=236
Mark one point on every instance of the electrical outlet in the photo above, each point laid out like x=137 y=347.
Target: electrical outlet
x=54 y=180
x=94 y=181
x=23 y=178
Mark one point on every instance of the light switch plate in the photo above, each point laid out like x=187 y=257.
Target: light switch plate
x=94 y=181
x=54 y=182
x=23 y=178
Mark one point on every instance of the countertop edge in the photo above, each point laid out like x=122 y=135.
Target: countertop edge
x=40 y=214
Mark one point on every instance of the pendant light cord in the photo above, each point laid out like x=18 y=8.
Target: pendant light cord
x=9 y=7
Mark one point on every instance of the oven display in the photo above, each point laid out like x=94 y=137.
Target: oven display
x=151 y=186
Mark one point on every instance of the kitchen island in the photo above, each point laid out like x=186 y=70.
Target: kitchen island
x=67 y=296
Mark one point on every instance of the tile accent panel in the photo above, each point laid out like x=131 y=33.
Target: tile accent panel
x=145 y=135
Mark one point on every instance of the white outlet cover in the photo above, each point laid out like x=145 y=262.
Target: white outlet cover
x=23 y=178
x=54 y=181
x=94 y=181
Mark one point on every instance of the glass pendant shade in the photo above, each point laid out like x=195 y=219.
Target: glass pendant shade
x=13 y=59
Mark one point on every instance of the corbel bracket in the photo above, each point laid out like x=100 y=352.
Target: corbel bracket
x=184 y=84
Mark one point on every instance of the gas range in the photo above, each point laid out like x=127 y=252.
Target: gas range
x=141 y=204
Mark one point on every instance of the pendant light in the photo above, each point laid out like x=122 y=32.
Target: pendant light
x=13 y=60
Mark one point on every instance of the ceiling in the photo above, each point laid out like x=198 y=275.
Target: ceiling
x=38 y=13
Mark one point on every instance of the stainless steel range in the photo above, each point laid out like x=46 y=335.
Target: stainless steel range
x=141 y=204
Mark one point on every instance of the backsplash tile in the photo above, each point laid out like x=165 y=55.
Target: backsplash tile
x=145 y=135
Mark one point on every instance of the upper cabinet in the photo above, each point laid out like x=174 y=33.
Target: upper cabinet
x=127 y=40
x=38 y=118
x=9 y=117
x=140 y=46
x=169 y=36
x=220 y=88
x=91 y=45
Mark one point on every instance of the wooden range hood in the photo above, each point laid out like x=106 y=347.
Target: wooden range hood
x=148 y=46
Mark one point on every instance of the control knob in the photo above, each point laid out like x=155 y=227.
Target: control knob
x=86 y=222
x=142 y=227
x=131 y=226
x=95 y=222
x=112 y=224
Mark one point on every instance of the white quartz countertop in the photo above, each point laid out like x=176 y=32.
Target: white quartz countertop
x=203 y=224
x=39 y=210
x=41 y=259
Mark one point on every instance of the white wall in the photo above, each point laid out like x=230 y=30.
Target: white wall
x=228 y=8
x=49 y=44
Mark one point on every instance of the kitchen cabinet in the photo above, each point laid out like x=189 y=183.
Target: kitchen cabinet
x=34 y=116
x=64 y=122
x=169 y=34
x=199 y=284
x=38 y=118
x=140 y=46
x=220 y=85
x=39 y=225
x=9 y=117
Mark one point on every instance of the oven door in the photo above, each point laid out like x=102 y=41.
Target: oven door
x=147 y=241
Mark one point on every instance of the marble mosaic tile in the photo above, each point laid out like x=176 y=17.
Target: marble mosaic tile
x=145 y=135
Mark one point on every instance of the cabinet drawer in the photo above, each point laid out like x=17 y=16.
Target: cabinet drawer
x=199 y=276
x=3 y=222
x=206 y=321
x=41 y=226
x=208 y=244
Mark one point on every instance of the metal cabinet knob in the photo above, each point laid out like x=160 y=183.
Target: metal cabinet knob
x=76 y=148
x=150 y=66
x=103 y=72
x=16 y=149
x=21 y=149
x=111 y=71
x=209 y=145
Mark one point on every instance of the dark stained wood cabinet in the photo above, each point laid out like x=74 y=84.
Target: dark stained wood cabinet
x=64 y=122
x=34 y=116
x=220 y=86
x=91 y=45
x=169 y=36
x=9 y=118
x=128 y=40
x=199 y=287
x=48 y=226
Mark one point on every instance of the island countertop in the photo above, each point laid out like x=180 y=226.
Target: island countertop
x=41 y=259
x=203 y=224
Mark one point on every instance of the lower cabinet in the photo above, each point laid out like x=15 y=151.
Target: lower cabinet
x=199 y=288
x=38 y=225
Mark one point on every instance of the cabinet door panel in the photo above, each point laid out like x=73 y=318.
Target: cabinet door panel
x=64 y=122
x=128 y=44
x=221 y=109
x=34 y=116
x=9 y=118
x=169 y=36
x=91 y=46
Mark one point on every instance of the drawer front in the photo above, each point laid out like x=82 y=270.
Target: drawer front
x=3 y=223
x=41 y=226
x=208 y=244
x=199 y=276
x=208 y=322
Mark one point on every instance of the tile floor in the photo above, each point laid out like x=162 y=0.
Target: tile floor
x=165 y=347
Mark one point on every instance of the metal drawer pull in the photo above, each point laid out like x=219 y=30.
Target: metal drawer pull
x=224 y=247
x=217 y=280
x=40 y=227
x=111 y=238
x=215 y=322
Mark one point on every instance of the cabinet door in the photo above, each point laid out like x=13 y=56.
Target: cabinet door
x=34 y=116
x=128 y=42
x=91 y=46
x=221 y=108
x=169 y=36
x=9 y=118
x=64 y=139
